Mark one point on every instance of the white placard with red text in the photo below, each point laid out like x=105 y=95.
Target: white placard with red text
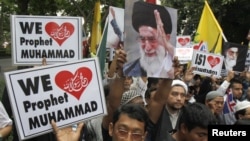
x=184 y=53
x=67 y=92
x=207 y=64
x=59 y=39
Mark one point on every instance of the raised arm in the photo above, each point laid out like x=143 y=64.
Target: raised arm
x=223 y=87
x=158 y=100
x=116 y=88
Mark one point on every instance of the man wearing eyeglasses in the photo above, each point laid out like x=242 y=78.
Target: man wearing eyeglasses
x=154 y=26
x=129 y=124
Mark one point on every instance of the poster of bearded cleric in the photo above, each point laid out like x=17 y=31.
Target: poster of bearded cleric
x=68 y=93
x=234 y=57
x=58 y=39
x=150 y=38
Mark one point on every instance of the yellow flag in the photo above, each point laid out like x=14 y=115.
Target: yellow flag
x=96 y=28
x=209 y=31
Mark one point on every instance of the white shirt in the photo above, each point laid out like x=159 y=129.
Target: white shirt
x=4 y=117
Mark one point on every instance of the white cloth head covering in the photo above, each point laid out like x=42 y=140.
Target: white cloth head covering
x=177 y=82
x=240 y=105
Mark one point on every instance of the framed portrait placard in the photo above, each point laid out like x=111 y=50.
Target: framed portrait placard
x=148 y=53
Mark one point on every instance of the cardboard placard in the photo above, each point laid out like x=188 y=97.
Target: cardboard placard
x=59 y=39
x=184 y=53
x=207 y=64
x=67 y=92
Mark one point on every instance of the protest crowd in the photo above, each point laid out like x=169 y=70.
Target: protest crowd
x=141 y=108
x=149 y=108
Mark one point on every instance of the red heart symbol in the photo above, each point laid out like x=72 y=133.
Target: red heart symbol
x=183 y=41
x=74 y=84
x=213 y=61
x=196 y=47
x=59 y=33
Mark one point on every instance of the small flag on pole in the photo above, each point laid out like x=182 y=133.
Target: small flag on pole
x=229 y=103
x=209 y=31
x=101 y=51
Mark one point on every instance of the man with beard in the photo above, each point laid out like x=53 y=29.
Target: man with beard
x=170 y=114
x=154 y=26
x=231 y=55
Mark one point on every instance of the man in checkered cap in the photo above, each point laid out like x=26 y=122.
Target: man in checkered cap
x=132 y=96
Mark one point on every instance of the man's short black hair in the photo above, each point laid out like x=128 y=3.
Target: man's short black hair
x=240 y=112
x=235 y=80
x=143 y=14
x=197 y=115
x=134 y=111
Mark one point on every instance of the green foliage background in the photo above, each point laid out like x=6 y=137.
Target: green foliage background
x=232 y=15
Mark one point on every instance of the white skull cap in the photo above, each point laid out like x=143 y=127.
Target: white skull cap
x=177 y=82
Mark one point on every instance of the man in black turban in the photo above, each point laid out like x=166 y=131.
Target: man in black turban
x=154 y=26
